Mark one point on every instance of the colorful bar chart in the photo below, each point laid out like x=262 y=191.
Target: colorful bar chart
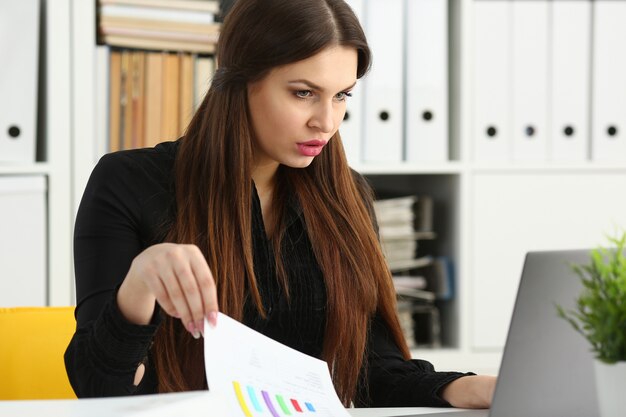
x=260 y=377
x=258 y=402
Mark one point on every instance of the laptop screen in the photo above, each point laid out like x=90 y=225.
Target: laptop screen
x=547 y=367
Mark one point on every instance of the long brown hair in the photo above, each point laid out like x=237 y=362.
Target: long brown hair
x=213 y=181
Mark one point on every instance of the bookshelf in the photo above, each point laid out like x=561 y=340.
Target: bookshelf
x=542 y=200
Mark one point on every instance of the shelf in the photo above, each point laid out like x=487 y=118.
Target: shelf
x=25 y=168
x=507 y=167
x=419 y=168
x=548 y=167
x=457 y=167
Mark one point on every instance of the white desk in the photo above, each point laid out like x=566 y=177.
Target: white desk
x=188 y=404
x=384 y=412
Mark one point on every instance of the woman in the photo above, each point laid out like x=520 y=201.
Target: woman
x=255 y=213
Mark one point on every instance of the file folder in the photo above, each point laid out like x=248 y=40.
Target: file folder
x=530 y=80
x=426 y=114
x=351 y=129
x=569 y=80
x=492 y=80
x=383 y=134
x=609 y=81
x=19 y=49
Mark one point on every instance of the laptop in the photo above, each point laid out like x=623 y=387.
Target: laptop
x=547 y=367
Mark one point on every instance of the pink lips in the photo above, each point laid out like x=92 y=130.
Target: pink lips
x=311 y=147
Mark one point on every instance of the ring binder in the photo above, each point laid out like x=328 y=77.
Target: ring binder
x=19 y=49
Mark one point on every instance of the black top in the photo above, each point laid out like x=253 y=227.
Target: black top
x=127 y=206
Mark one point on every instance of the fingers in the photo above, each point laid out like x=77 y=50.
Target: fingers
x=178 y=297
x=164 y=299
x=183 y=285
x=190 y=299
x=206 y=284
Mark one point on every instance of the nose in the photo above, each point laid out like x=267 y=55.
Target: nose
x=323 y=118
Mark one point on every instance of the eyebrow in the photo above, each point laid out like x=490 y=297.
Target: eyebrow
x=314 y=86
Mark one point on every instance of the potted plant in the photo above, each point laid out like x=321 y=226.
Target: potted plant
x=600 y=316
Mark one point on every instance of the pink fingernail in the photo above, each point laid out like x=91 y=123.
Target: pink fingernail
x=200 y=327
x=191 y=328
x=212 y=316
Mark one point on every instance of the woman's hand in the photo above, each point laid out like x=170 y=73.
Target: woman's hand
x=475 y=391
x=176 y=276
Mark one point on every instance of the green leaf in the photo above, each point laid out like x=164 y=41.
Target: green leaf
x=599 y=313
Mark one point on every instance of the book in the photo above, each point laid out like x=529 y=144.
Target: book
x=394 y=204
x=138 y=61
x=405 y=319
x=158 y=44
x=162 y=25
x=158 y=34
x=193 y=5
x=399 y=249
x=154 y=93
x=411 y=281
x=412 y=294
x=395 y=231
x=126 y=108
x=415 y=212
x=155 y=13
x=424 y=214
x=399 y=265
x=395 y=217
x=402 y=222
x=440 y=277
x=170 y=123
x=420 y=322
x=186 y=91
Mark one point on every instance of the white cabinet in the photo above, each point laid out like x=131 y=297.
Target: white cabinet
x=513 y=213
x=23 y=240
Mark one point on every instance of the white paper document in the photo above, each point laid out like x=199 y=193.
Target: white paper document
x=183 y=404
x=258 y=376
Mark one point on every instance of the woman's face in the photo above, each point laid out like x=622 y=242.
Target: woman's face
x=298 y=107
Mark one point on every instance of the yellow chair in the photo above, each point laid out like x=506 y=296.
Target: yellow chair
x=32 y=343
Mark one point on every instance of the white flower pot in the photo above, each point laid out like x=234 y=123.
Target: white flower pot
x=611 y=387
